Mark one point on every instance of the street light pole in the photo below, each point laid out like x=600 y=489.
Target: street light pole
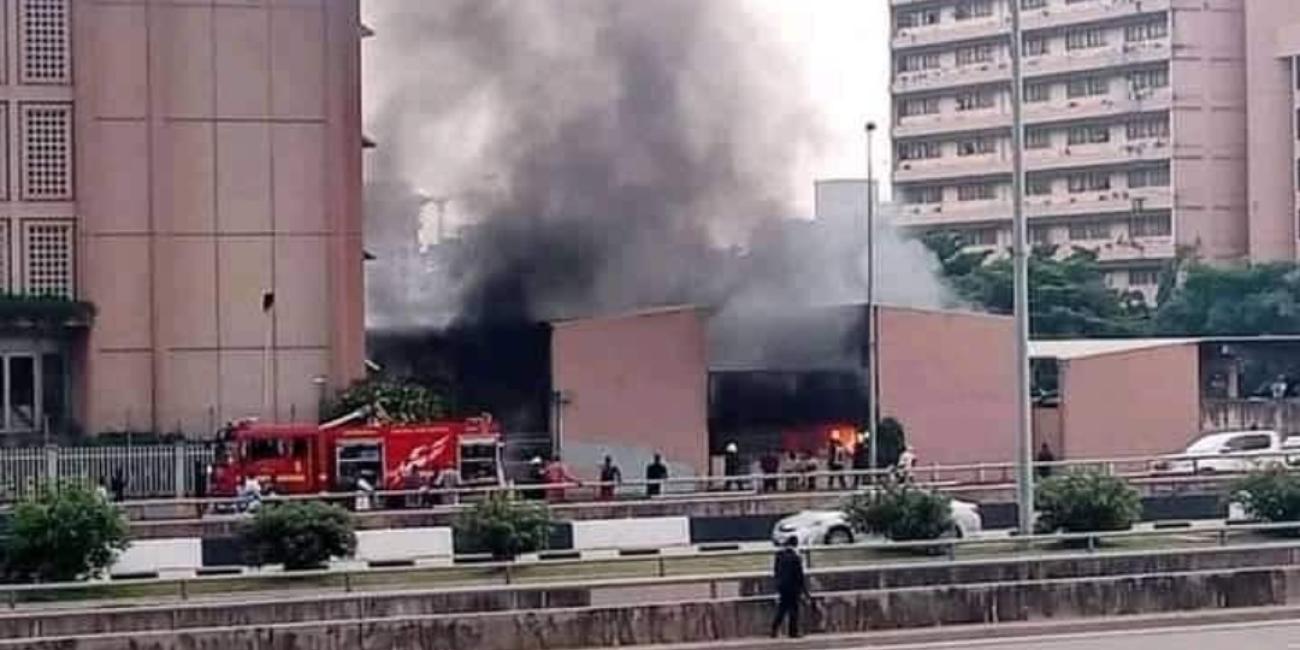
x=1020 y=253
x=873 y=325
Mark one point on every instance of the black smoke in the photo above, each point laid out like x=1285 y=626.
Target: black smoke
x=609 y=154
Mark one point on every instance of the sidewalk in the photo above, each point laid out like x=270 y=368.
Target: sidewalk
x=898 y=638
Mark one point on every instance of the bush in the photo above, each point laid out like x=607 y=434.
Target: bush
x=901 y=513
x=64 y=533
x=506 y=527
x=1085 y=502
x=1271 y=495
x=400 y=401
x=299 y=535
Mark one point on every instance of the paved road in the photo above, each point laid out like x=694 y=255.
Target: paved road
x=1242 y=636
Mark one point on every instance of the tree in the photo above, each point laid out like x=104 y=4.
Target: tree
x=63 y=533
x=505 y=527
x=299 y=535
x=399 y=401
x=901 y=513
x=1271 y=494
x=1233 y=301
x=1085 y=502
x=1068 y=295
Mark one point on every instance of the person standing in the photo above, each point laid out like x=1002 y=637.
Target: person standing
x=770 y=465
x=655 y=474
x=906 y=462
x=791 y=585
x=117 y=485
x=1044 y=461
x=835 y=457
x=558 y=477
x=862 y=460
x=731 y=467
x=610 y=478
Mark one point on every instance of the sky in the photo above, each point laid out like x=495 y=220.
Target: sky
x=842 y=48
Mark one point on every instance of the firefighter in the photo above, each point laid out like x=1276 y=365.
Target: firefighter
x=731 y=467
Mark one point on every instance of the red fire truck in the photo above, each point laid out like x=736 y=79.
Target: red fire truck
x=310 y=458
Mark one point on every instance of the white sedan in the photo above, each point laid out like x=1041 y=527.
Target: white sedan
x=812 y=527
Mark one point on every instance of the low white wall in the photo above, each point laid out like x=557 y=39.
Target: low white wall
x=159 y=556
x=641 y=532
x=404 y=543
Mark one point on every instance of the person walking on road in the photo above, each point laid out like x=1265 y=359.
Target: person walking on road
x=655 y=474
x=791 y=585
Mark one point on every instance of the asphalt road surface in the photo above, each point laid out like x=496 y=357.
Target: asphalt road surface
x=1283 y=635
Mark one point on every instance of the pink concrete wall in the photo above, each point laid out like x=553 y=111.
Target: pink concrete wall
x=1271 y=164
x=949 y=377
x=1132 y=403
x=1209 y=128
x=636 y=384
x=218 y=157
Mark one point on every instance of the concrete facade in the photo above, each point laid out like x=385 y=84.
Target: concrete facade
x=1144 y=120
x=217 y=160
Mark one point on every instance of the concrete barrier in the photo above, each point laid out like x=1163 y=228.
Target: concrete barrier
x=694 y=622
x=404 y=544
x=262 y=610
x=644 y=532
x=161 y=556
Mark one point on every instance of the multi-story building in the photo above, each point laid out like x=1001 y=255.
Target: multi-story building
x=1136 y=127
x=191 y=169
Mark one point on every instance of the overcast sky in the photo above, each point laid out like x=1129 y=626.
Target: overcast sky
x=842 y=46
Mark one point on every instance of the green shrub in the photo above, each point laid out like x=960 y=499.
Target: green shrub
x=299 y=535
x=1271 y=495
x=67 y=532
x=506 y=527
x=901 y=513
x=1084 y=502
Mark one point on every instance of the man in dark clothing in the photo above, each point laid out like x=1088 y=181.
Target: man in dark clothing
x=1045 y=456
x=655 y=473
x=610 y=477
x=118 y=485
x=731 y=466
x=770 y=465
x=787 y=574
x=861 y=460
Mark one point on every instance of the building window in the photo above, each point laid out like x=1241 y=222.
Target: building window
x=1038 y=92
x=1150 y=177
x=1146 y=31
x=47 y=152
x=6 y=281
x=1149 y=127
x=915 y=62
x=44 y=47
x=1036 y=45
x=1040 y=235
x=1090 y=134
x=922 y=106
x=1087 y=87
x=1089 y=231
x=1038 y=138
x=1089 y=182
x=918 y=150
x=974 y=100
x=907 y=19
x=1146 y=79
x=1033 y=4
x=974 y=54
x=1081 y=39
x=1152 y=225
x=923 y=195
x=980 y=236
x=976 y=192
x=968 y=9
x=976 y=146
x=1143 y=277
x=47 y=256
x=1038 y=186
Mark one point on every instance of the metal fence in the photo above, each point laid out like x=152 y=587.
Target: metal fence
x=150 y=470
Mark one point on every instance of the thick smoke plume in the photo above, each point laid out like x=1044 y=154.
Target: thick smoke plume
x=606 y=155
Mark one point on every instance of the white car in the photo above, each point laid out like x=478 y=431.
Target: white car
x=1230 y=452
x=812 y=527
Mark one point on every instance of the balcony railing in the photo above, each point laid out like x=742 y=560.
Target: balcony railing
x=1056 y=15
x=951 y=32
x=953 y=76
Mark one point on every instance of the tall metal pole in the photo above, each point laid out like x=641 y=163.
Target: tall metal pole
x=873 y=332
x=1020 y=252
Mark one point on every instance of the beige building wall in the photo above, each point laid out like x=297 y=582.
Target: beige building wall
x=1142 y=402
x=1270 y=111
x=634 y=385
x=218 y=159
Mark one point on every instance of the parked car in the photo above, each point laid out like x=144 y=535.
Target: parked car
x=813 y=527
x=1232 y=452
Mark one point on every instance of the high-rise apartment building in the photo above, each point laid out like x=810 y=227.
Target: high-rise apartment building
x=192 y=170
x=1136 y=139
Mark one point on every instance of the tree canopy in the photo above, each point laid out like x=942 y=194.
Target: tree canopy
x=1238 y=301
